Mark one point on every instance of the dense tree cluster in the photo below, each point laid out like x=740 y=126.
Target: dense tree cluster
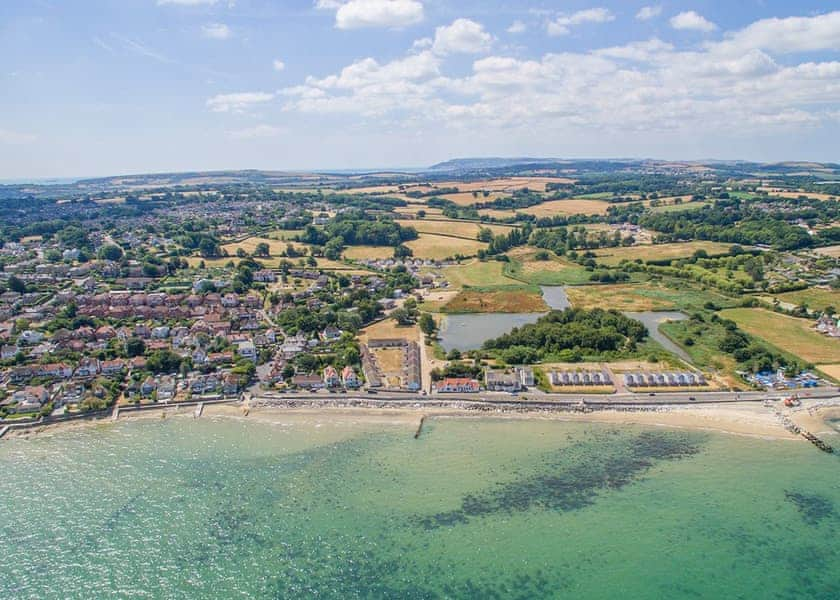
x=589 y=331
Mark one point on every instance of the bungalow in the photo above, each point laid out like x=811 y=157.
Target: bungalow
x=457 y=385
x=331 y=333
x=312 y=382
x=8 y=351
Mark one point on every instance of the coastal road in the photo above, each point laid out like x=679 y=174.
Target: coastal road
x=548 y=400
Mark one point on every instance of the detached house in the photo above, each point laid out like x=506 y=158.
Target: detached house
x=456 y=385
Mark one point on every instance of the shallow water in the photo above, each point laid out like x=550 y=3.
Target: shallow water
x=652 y=320
x=470 y=331
x=476 y=508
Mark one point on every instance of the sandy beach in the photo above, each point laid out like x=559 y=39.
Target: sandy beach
x=747 y=418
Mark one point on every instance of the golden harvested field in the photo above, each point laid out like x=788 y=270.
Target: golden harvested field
x=466 y=229
x=371 y=252
x=415 y=208
x=437 y=247
x=468 y=199
x=496 y=214
x=388 y=328
x=832 y=251
x=613 y=256
x=619 y=297
x=276 y=247
x=832 y=371
x=496 y=301
x=572 y=206
x=787 y=333
x=796 y=194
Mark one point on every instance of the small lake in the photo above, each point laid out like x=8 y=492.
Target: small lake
x=470 y=331
x=652 y=321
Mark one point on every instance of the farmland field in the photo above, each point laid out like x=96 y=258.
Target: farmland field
x=787 y=333
x=679 y=207
x=572 y=206
x=832 y=251
x=814 y=298
x=832 y=371
x=464 y=229
x=437 y=247
x=613 y=256
x=276 y=247
x=467 y=198
x=514 y=299
x=556 y=271
x=477 y=274
x=369 y=252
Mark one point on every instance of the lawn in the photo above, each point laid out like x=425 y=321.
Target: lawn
x=572 y=206
x=814 y=298
x=437 y=247
x=613 y=256
x=556 y=271
x=514 y=299
x=789 y=334
x=283 y=234
x=478 y=274
x=679 y=207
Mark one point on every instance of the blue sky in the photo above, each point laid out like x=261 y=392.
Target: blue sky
x=97 y=87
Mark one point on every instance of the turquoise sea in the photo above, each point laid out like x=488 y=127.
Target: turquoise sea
x=475 y=508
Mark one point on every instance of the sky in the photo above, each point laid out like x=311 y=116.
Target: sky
x=105 y=87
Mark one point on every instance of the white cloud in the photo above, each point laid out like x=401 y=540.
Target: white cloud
x=792 y=34
x=216 y=31
x=728 y=88
x=562 y=25
x=258 y=131
x=238 y=102
x=693 y=21
x=517 y=27
x=278 y=65
x=355 y=14
x=649 y=12
x=638 y=51
x=462 y=36
x=14 y=138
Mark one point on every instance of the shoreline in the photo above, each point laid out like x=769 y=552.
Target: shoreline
x=746 y=419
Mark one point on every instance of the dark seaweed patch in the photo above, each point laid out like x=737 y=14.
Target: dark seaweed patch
x=812 y=507
x=573 y=477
